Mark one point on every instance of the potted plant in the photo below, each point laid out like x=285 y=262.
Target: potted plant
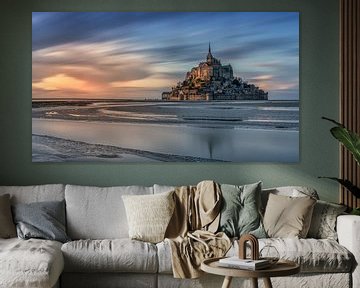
x=351 y=141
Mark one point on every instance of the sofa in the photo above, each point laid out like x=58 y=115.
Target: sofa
x=100 y=253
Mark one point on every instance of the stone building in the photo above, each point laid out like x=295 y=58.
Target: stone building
x=211 y=69
x=211 y=80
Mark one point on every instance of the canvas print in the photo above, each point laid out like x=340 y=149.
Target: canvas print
x=165 y=87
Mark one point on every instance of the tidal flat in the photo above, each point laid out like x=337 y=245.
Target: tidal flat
x=234 y=131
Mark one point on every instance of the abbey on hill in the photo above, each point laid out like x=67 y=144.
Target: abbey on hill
x=212 y=81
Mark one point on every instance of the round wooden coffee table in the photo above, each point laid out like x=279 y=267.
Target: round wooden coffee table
x=281 y=268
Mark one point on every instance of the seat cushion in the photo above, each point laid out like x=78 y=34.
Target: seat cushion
x=313 y=255
x=98 y=212
x=30 y=263
x=117 y=255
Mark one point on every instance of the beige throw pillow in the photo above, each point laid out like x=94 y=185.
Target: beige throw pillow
x=7 y=226
x=149 y=215
x=288 y=217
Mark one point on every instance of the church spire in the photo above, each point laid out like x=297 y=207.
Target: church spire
x=209 y=56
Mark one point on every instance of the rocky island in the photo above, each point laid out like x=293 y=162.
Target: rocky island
x=211 y=80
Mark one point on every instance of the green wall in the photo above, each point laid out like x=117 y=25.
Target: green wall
x=319 y=88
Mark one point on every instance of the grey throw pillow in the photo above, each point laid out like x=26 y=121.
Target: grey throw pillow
x=240 y=213
x=44 y=220
x=7 y=227
x=323 y=222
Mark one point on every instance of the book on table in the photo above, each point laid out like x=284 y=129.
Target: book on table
x=236 y=262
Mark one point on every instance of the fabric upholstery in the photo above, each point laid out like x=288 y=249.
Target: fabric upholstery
x=240 y=212
x=323 y=222
x=98 y=213
x=162 y=188
x=7 y=226
x=35 y=193
x=191 y=231
x=148 y=216
x=108 y=280
x=348 y=229
x=313 y=255
x=330 y=280
x=44 y=220
x=30 y=263
x=287 y=216
x=117 y=255
x=196 y=207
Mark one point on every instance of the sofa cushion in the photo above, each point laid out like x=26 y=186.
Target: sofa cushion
x=240 y=210
x=313 y=255
x=30 y=263
x=7 y=226
x=36 y=193
x=287 y=216
x=98 y=213
x=117 y=255
x=291 y=191
x=163 y=188
x=43 y=220
x=109 y=280
x=323 y=222
x=149 y=215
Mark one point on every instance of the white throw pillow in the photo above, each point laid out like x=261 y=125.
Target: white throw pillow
x=149 y=215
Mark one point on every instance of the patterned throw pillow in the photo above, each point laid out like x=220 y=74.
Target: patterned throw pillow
x=149 y=215
x=7 y=226
x=240 y=213
x=288 y=217
x=323 y=223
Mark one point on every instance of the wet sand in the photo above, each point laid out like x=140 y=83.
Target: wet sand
x=54 y=149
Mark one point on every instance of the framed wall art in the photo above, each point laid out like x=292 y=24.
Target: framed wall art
x=165 y=86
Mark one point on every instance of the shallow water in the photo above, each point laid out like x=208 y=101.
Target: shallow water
x=229 y=144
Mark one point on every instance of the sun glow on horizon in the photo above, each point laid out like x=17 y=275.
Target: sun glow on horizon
x=65 y=82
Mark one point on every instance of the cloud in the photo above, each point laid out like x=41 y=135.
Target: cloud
x=64 y=82
x=121 y=52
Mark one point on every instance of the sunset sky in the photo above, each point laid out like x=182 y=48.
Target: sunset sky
x=128 y=55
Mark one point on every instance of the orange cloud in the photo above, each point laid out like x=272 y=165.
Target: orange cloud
x=263 y=77
x=149 y=82
x=65 y=82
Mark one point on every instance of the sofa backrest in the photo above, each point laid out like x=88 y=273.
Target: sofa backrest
x=36 y=193
x=163 y=188
x=98 y=212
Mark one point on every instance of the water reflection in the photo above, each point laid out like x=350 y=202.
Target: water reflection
x=237 y=145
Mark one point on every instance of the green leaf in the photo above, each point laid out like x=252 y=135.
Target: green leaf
x=348 y=138
x=355 y=211
x=347 y=184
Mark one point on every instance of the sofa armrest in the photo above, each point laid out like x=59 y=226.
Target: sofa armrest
x=348 y=230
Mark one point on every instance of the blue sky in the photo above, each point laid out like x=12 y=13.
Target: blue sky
x=139 y=55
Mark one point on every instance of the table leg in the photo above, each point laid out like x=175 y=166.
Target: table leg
x=267 y=283
x=227 y=282
x=254 y=282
